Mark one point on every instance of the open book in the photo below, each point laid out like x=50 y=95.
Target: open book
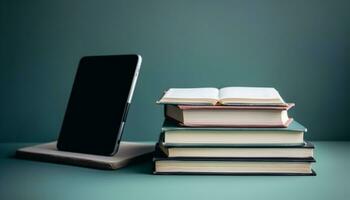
x=223 y=96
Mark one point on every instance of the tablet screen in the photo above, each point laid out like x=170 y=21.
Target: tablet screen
x=98 y=104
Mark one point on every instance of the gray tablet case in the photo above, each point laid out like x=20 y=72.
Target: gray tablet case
x=128 y=152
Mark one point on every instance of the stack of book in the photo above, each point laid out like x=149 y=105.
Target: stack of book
x=233 y=130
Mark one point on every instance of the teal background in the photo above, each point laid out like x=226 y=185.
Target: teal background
x=300 y=47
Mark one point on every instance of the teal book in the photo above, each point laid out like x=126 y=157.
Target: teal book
x=293 y=135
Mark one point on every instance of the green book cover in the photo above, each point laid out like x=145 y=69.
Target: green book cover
x=173 y=126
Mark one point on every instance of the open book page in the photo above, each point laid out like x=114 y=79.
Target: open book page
x=250 y=95
x=191 y=96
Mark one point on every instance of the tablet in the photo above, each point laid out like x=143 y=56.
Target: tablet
x=98 y=104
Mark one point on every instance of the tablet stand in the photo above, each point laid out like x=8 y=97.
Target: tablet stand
x=128 y=152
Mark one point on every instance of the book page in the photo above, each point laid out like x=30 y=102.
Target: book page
x=192 y=93
x=258 y=94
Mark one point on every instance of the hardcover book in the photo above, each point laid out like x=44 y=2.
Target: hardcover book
x=291 y=135
x=236 y=151
x=232 y=166
x=229 y=116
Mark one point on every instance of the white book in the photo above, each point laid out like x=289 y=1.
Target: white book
x=223 y=96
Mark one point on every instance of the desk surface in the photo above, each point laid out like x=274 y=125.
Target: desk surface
x=24 y=179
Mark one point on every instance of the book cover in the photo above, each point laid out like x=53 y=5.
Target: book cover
x=160 y=156
x=169 y=125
